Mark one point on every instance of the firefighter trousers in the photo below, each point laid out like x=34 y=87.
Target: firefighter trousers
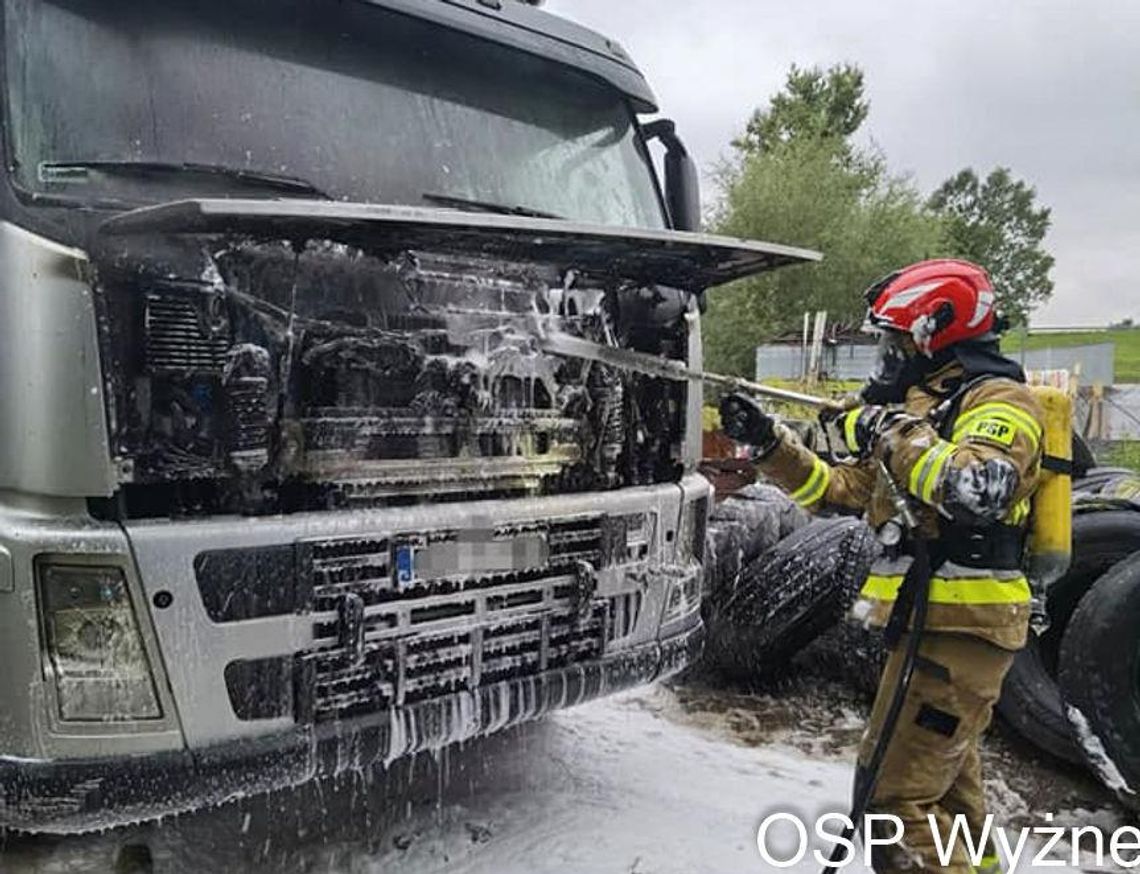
x=932 y=766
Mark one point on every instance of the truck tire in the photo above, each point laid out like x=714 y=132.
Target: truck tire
x=850 y=653
x=791 y=515
x=787 y=597
x=1031 y=700
x=1031 y=704
x=1105 y=487
x=1096 y=480
x=724 y=555
x=1100 y=678
x=766 y=514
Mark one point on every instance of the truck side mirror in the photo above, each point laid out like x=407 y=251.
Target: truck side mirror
x=682 y=182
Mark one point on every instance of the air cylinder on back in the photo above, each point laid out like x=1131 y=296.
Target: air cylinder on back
x=1051 y=529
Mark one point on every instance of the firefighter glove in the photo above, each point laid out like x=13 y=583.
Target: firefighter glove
x=745 y=421
x=833 y=409
x=863 y=426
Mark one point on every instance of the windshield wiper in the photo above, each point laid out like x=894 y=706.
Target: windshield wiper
x=487 y=206
x=71 y=171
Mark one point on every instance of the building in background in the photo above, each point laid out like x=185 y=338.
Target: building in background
x=1104 y=410
x=846 y=353
x=850 y=355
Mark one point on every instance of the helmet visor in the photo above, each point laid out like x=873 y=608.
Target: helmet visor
x=894 y=368
x=893 y=352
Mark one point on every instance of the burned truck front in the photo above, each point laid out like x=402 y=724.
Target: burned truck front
x=257 y=376
x=356 y=477
x=349 y=394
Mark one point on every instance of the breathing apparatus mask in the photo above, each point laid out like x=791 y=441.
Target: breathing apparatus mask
x=898 y=366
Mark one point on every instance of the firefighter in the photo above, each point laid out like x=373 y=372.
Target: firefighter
x=956 y=427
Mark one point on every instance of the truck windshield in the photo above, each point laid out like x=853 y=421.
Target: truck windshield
x=350 y=100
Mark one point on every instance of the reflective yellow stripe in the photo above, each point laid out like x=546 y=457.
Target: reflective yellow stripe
x=988 y=865
x=998 y=407
x=927 y=471
x=979 y=590
x=849 y=430
x=1020 y=512
x=1006 y=413
x=815 y=487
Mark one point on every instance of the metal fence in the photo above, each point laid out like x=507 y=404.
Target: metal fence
x=847 y=361
x=1121 y=412
x=1097 y=362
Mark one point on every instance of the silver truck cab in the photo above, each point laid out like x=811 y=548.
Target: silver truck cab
x=346 y=393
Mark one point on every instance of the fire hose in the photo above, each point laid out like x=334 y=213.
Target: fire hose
x=914 y=593
x=1051 y=531
x=913 y=599
x=570 y=346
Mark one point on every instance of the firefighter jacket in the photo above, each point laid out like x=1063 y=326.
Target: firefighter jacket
x=972 y=475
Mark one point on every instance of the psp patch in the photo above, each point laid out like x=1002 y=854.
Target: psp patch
x=997 y=430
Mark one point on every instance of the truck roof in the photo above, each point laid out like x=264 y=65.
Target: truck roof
x=524 y=27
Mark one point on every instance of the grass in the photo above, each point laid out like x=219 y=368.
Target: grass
x=1125 y=453
x=1127 y=342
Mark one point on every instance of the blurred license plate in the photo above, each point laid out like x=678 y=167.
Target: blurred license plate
x=470 y=553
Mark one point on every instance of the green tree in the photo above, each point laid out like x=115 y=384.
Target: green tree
x=814 y=105
x=797 y=179
x=865 y=223
x=997 y=224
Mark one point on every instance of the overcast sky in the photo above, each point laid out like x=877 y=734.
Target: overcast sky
x=1049 y=88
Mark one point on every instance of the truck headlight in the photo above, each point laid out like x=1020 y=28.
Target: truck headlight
x=691 y=533
x=93 y=645
x=683 y=595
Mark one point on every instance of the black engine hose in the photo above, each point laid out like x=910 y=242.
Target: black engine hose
x=915 y=584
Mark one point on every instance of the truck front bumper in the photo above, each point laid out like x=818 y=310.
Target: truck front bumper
x=78 y=795
x=283 y=648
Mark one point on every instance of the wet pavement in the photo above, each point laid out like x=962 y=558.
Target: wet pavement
x=660 y=780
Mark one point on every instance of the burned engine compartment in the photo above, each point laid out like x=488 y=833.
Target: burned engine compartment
x=254 y=376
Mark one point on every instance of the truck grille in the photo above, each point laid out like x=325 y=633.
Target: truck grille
x=398 y=641
x=182 y=335
x=335 y=685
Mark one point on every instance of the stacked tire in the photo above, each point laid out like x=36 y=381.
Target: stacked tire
x=1098 y=661
x=1074 y=692
x=777 y=580
x=1031 y=700
x=1100 y=678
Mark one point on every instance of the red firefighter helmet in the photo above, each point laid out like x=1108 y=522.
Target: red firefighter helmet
x=938 y=302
